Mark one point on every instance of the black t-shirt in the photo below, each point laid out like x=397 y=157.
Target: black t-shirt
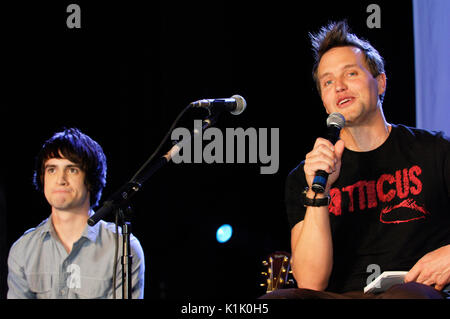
x=389 y=207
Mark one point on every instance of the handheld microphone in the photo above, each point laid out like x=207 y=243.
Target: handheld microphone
x=235 y=104
x=335 y=122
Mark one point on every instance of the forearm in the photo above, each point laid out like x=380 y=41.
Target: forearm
x=311 y=243
x=312 y=250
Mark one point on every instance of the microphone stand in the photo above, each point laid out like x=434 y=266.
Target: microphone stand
x=121 y=198
x=127 y=259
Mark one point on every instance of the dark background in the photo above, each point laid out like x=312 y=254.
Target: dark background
x=126 y=74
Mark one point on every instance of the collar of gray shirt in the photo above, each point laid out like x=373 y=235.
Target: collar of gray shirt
x=90 y=232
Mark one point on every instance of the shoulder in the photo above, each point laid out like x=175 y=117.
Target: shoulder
x=28 y=241
x=296 y=175
x=421 y=135
x=295 y=184
x=108 y=230
x=426 y=143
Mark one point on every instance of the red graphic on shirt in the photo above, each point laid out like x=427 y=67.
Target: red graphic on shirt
x=408 y=203
x=403 y=183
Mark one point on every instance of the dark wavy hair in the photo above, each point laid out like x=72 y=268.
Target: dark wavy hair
x=337 y=34
x=80 y=149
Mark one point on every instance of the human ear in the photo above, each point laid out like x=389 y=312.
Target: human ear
x=381 y=81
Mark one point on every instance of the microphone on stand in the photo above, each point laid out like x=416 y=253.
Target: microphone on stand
x=235 y=104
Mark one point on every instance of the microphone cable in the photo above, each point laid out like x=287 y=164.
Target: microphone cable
x=133 y=179
x=120 y=214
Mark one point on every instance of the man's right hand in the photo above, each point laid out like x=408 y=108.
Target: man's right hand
x=324 y=156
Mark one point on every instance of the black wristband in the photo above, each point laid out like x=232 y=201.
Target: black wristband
x=315 y=202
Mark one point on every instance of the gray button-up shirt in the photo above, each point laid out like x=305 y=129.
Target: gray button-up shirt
x=40 y=267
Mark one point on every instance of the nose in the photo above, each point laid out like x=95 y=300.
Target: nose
x=340 y=85
x=61 y=178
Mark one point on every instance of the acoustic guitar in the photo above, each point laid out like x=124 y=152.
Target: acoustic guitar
x=278 y=271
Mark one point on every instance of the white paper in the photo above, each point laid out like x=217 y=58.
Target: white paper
x=385 y=281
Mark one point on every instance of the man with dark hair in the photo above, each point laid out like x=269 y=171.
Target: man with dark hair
x=386 y=204
x=63 y=257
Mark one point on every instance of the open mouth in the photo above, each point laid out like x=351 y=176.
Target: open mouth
x=404 y=212
x=345 y=101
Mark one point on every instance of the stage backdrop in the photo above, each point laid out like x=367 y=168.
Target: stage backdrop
x=127 y=73
x=432 y=64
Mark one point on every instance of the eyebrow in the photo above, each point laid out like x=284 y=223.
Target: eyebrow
x=65 y=166
x=347 y=66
